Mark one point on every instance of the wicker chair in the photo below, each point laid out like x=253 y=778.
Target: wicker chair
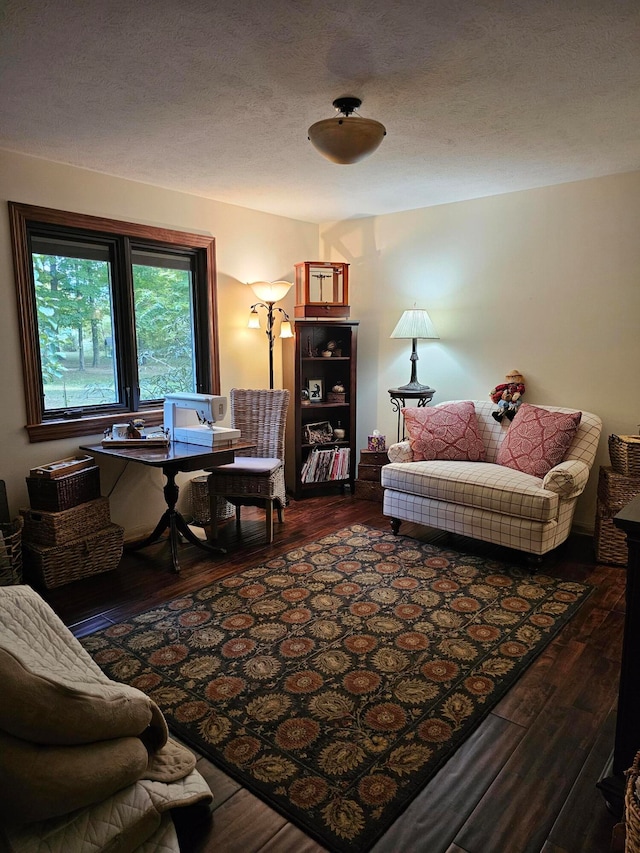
x=255 y=479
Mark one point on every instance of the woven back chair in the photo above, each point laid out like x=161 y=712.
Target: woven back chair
x=255 y=478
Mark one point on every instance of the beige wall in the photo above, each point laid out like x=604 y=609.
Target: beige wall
x=250 y=246
x=546 y=281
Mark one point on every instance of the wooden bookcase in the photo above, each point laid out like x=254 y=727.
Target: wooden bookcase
x=304 y=368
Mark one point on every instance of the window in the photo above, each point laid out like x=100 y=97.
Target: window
x=113 y=317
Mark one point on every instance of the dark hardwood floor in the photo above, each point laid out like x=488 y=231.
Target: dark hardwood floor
x=524 y=781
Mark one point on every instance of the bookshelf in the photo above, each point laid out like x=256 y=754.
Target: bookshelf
x=318 y=457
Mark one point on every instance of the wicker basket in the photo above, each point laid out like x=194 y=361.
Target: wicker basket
x=60 y=493
x=611 y=542
x=632 y=809
x=200 y=509
x=624 y=452
x=616 y=490
x=58 y=528
x=79 y=558
x=11 y=553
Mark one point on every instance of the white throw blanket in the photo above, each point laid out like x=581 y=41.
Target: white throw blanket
x=85 y=762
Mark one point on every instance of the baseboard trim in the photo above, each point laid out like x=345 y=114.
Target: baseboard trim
x=583 y=530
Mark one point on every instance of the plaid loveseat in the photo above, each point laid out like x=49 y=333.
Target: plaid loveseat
x=487 y=501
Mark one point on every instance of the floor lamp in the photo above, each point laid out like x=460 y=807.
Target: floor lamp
x=270 y=292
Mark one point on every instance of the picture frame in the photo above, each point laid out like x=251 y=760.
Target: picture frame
x=316 y=390
x=318 y=433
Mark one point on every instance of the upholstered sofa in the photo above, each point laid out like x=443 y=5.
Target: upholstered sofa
x=86 y=763
x=489 y=501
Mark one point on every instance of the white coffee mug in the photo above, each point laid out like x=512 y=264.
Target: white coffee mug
x=119 y=431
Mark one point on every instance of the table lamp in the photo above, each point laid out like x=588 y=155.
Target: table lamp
x=415 y=323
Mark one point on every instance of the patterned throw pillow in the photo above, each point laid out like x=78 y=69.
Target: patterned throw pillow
x=537 y=439
x=446 y=432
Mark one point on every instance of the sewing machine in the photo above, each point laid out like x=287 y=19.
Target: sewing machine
x=191 y=417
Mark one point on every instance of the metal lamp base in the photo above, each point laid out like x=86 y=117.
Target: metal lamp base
x=415 y=387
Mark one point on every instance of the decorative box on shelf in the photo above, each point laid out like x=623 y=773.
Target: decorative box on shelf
x=317 y=433
x=322 y=289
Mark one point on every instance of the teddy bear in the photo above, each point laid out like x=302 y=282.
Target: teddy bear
x=508 y=396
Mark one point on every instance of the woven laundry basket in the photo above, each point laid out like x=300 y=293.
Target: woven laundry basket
x=200 y=503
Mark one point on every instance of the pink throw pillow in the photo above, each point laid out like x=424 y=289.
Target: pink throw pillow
x=537 y=439
x=446 y=432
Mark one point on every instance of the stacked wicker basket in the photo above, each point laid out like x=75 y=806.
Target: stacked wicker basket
x=68 y=533
x=632 y=808
x=11 y=552
x=617 y=485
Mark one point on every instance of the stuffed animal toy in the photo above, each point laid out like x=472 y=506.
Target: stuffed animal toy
x=508 y=396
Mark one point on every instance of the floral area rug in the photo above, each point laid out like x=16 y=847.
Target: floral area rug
x=334 y=681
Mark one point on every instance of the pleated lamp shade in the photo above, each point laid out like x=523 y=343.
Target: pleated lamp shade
x=415 y=323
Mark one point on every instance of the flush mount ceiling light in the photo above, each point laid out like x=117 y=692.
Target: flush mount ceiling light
x=347 y=138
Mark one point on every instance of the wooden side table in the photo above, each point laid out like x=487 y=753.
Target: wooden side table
x=399 y=396
x=627 y=740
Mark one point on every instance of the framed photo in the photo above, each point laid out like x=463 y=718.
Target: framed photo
x=316 y=390
x=320 y=433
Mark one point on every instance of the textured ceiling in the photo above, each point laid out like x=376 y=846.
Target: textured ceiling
x=214 y=97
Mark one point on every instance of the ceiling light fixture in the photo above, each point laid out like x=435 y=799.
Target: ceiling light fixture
x=347 y=138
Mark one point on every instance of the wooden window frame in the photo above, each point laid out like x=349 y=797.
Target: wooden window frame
x=22 y=219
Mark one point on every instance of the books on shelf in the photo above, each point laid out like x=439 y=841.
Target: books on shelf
x=324 y=465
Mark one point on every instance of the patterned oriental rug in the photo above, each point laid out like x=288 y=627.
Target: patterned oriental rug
x=334 y=681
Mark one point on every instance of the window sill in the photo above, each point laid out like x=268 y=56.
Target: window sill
x=88 y=425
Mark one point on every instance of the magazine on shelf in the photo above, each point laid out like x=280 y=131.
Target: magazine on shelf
x=324 y=465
